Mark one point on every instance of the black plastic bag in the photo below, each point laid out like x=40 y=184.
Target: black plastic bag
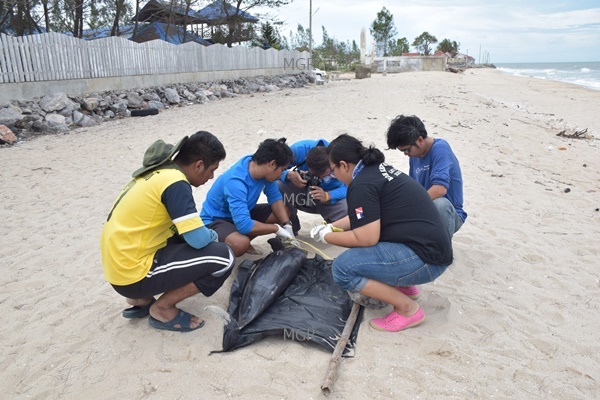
x=311 y=308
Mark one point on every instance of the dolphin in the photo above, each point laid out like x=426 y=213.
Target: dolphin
x=268 y=279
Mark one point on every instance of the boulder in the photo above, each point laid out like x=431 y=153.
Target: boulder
x=6 y=135
x=134 y=100
x=57 y=123
x=9 y=115
x=54 y=102
x=172 y=96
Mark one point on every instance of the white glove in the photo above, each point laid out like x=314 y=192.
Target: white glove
x=288 y=227
x=319 y=232
x=283 y=233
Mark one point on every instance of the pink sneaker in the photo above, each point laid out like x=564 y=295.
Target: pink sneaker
x=394 y=322
x=411 y=291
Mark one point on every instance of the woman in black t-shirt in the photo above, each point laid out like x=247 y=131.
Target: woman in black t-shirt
x=394 y=233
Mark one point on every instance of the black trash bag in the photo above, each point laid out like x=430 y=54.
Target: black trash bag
x=310 y=308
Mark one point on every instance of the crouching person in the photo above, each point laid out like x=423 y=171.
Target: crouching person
x=154 y=240
x=394 y=234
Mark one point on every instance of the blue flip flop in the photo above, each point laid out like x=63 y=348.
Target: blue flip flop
x=182 y=319
x=138 y=311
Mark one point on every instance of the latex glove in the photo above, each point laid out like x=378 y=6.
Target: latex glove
x=283 y=233
x=213 y=236
x=319 y=232
x=288 y=227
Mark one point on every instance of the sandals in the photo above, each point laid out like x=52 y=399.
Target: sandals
x=181 y=323
x=138 y=311
x=394 y=322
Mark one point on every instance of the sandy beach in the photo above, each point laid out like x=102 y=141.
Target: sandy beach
x=514 y=317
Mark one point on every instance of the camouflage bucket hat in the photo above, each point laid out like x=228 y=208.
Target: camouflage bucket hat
x=158 y=154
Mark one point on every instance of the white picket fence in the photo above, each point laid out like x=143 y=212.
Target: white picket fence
x=54 y=56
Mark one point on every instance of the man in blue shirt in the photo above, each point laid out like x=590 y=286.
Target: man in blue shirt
x=433 y=165
x=308 y=186
x=231 y=208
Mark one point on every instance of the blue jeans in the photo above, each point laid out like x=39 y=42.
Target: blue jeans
x=394 y=264
x=450 y=217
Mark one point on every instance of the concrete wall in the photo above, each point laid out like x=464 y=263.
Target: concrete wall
x=408 y=64
x=29 y=90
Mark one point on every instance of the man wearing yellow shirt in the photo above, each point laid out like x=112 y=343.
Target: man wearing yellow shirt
x=154 y=240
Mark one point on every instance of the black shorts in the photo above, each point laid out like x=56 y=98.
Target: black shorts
x=178 y=264
x=224 y=228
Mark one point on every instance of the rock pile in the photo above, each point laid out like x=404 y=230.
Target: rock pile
x=59 y=112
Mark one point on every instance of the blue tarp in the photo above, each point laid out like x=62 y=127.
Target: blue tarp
x=219 y=11
x=158 y=30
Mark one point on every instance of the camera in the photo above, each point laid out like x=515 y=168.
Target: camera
x=311 y=180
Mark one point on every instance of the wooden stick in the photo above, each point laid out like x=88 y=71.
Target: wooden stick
x=336 y=357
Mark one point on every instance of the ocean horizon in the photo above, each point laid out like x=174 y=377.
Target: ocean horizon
x=585 y=74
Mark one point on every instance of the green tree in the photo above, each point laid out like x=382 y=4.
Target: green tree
x=236 y=30
x=328 y=49
x=448 y=46
x=398 y=46
x=423 y=42
x=269 y=36
x=383 y=29
x=301 y=39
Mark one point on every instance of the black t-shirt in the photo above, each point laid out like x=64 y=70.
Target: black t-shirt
x=407 y=213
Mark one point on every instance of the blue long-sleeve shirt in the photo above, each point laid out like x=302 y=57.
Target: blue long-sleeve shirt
x=440 y=167
x=234 y=194
x=337 y=190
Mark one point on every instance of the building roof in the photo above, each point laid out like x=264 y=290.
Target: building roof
x=159 y=11
x=219 y=12
x=124 y=31
x=175 y=34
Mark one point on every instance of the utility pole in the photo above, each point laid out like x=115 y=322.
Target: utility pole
x=310 y=30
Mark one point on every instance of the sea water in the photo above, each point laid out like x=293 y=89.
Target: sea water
x=579 y=73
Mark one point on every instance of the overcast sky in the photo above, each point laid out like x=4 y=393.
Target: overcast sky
x=509 y=30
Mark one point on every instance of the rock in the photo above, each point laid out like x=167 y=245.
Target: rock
x=156 y=104
x=172 y=96
x=9 y=115
x=57 y=123
x=6 y=135
x=90 y=103
x=134 y=100
x=151 y=97
x=60 y=110
x=67 y=112
x=119 y=108
x=362 y=72
x=54 y=102
x=81 y=119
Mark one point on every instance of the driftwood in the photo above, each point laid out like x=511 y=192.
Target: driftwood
x=336 y=357
x=455 y=70
x=577 y=135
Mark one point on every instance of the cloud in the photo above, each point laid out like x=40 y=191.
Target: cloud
x=509 y=30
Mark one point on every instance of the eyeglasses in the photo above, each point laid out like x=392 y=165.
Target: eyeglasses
x=407 y=150
x=332 y=170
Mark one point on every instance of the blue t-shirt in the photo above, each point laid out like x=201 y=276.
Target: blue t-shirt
x=336 y=189
x=234 y=194
x=440 y=167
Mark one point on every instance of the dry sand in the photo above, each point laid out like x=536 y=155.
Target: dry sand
x=516 y=316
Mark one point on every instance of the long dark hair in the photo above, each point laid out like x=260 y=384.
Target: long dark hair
x=351 y=150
